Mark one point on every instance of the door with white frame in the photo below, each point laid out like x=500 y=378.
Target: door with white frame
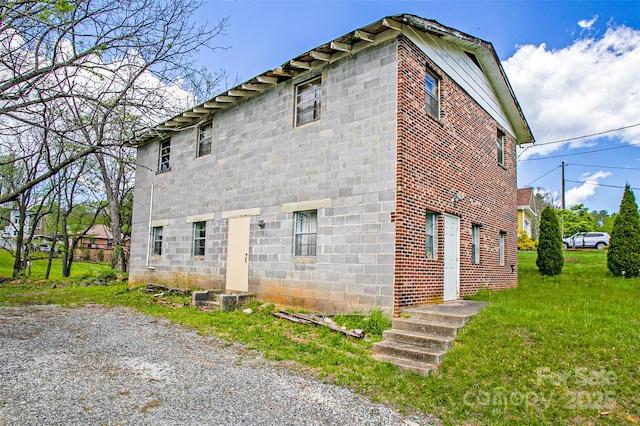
x=451 y=258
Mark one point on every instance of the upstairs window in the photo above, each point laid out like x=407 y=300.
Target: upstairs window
x=500 y=147
x=306 y=233
x=475 y=244
x=432 y=86
x=164 y=163
x=199 y=237
x=430 y=233
x=308 y=100
x=157 y=241
x=205 y=135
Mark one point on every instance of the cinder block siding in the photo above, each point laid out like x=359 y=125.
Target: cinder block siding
x=260 y=161
x=435 y=160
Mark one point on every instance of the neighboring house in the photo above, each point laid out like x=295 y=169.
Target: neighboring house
x=526 y=211
x=12 y=228
x=98 y=237
x=376 y=170
x=97 y=244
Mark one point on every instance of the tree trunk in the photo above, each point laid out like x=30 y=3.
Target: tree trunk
x=18 y=263
x=118 y=260
x=53 y=245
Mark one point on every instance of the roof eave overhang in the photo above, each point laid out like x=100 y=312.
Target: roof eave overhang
x=346 y=45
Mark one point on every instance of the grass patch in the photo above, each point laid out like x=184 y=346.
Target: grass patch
x=39 y=267
x=555 y=350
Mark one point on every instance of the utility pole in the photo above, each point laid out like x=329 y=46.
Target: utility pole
x=563 y=185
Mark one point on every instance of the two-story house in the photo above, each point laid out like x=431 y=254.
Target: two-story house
x=377 y=169
x=526 y=211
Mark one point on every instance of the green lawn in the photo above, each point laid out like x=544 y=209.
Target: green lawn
x=560 y=350
x=39 y=267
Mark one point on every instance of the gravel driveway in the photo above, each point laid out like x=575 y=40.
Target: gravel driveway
x=106 y=366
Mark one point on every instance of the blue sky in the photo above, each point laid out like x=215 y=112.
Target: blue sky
x=574 y=66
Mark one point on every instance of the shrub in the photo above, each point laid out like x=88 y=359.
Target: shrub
x=525 y=243
x=623 y=257
x=550 y=260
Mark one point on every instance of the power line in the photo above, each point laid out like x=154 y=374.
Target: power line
x=587 y=136
x=600 y=184
x=579 y=153
x=605 y=167
x=576 y=137
x=535 y=180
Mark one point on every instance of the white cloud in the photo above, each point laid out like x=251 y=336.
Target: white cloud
x=587 y=87
x=587 y=24
x=580 y=194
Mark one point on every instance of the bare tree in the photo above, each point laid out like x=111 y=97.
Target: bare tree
x=87 y=61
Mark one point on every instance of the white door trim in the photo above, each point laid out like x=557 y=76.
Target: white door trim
x=451 y=262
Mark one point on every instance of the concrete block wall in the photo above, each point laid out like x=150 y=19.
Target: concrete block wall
x=437 y=159
x=261 y=164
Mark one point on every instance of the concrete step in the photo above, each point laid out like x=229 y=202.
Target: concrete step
x=448 y=318
x=410 y=352
x=432 y=341
x=425 y=326
x=422 y=368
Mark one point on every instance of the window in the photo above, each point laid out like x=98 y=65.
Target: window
x=501 y=248
x=305 y=233
x=432 y=85
x=205 y=135
x=199 y=234
x=165 y=152
x=500 y=146
x=430 y=232
x=308 y=96
x=475 y=244
x=156 y=249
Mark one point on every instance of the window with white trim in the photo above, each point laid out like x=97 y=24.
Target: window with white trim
x=432 y=86
x=475 y=244
x=205 y=137
x=501 y=248
x=308 y=101
x=156 y=248
x=500 y=147
x=164 y=158
x=199 y=238
x=306 y=232
x=430 y=234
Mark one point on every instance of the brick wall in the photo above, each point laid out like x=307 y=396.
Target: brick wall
x=437 y=159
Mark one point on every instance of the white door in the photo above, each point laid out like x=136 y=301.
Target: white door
x=238 y=254
x=451 y=258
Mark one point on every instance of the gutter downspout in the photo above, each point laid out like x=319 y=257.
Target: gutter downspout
x=150 y=230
